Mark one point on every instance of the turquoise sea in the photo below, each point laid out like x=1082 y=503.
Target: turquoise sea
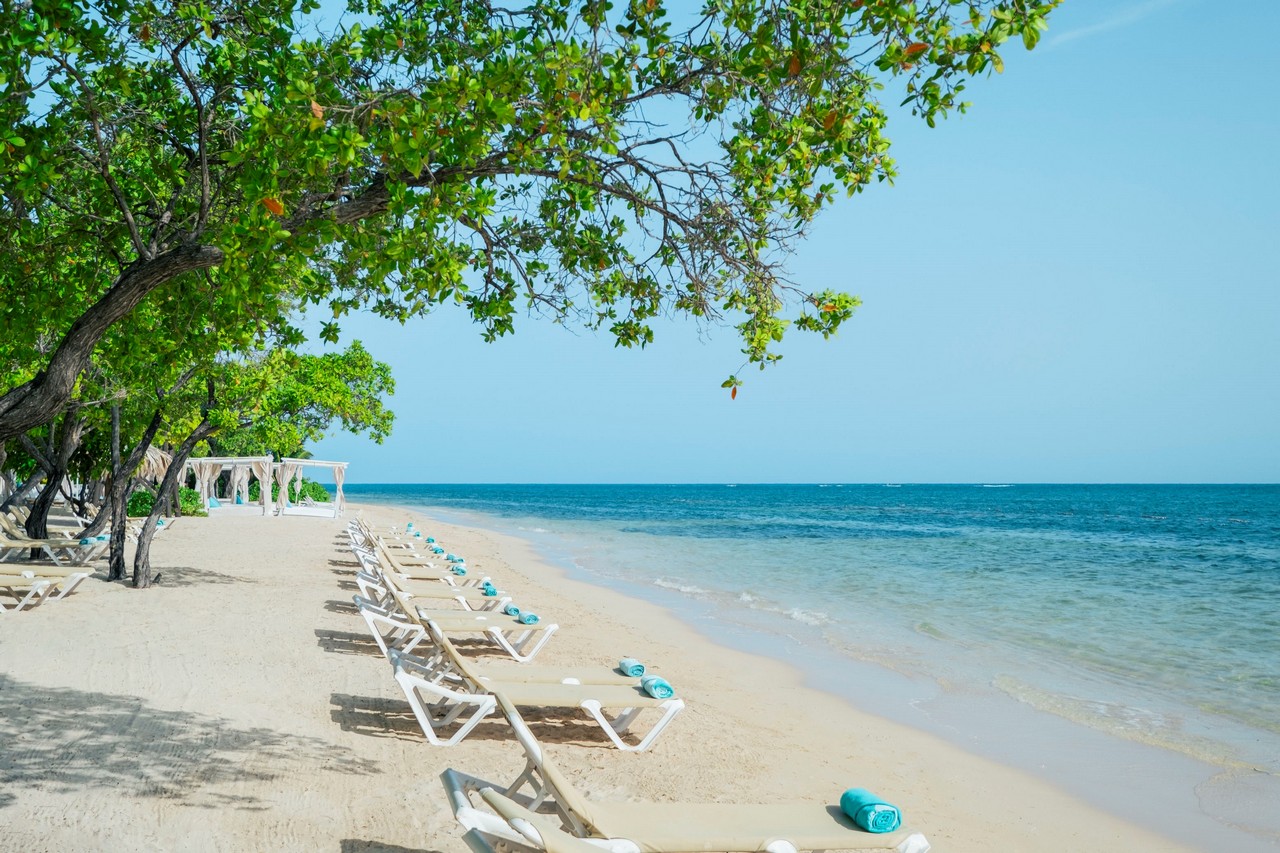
x=1087 y=633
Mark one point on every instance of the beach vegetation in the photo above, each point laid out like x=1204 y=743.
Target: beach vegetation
x=219 y=163
x=140 y=503
x=189 y=502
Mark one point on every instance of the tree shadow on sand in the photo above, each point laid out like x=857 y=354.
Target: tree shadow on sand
x=177 y=576
x=61 y=740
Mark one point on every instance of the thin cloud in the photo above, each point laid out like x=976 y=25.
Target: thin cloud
x=1121 y=18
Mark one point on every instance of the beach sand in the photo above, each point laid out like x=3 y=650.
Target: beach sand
x=240 y=705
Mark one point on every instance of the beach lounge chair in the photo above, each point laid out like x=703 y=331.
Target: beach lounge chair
x=61 y=580
x=393 y=630
x=378 y=589
x=13 y=540
x=26 y=591
x=438 y=703
x=630 y=827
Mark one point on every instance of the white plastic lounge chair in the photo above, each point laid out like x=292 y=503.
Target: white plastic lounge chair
x=393 y=630
x=27 y=592
x=13 y=539
x=630 y=827
x=377 y=588
x=61 y=580
x=520 y=640
x=437 y=703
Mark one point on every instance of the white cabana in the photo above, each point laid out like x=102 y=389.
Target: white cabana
x=288 y=470
x=234 y=497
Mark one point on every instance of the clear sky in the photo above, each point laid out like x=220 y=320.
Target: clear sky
x=1077 y=281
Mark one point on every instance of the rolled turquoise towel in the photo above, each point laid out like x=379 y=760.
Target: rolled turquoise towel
x=489 y=591
x=869 y=811
x=657 y=687
x=452 y=558
x=511 y=610
x=409 y=526
x=102 y=537
x=160 y=523
x=527 y=618
x=437 y=550
x=459 y=570
x=431 y=540
x=631 y=667
x=87 y=541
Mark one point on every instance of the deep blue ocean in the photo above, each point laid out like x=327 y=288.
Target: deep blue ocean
x=1151 y=613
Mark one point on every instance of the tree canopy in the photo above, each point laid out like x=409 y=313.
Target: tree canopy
x=587 y=160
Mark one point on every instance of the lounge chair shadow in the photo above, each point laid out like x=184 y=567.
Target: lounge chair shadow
x=334 y=606
x=357 y=845
x=348 y=585
x=374 y=716
x=377 y=717
x=64 y=740
x=347 y=643
x=350 y=564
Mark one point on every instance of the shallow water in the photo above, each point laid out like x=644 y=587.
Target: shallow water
x=1142 y=613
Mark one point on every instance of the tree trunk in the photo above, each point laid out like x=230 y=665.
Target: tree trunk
x=20 y=494
x=39 y=400
x=68 y=440
x=121 y=479
x=142 y=556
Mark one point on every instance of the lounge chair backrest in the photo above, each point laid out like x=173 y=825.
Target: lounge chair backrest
x=558 y=786
x=455 y=657
x=554 y=839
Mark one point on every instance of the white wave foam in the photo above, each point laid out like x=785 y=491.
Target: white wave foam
x=687 y=589
x=807 y=617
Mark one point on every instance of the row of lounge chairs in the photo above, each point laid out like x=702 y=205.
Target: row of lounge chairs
x=401 y=595
x=450 y=692
x=53 y=575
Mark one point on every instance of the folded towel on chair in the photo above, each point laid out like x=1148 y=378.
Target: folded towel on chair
x=459 y=570
x=527 y=618
x=657 y=687
x=431 y=540
x=511 y=610
x=489 y=590
x=631 y=667
x=869 y=811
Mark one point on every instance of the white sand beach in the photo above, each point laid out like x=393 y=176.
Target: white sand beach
x=240 y=705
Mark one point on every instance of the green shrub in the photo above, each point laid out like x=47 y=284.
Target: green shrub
x=310 y=489
x=189 y=502
x=140 y=503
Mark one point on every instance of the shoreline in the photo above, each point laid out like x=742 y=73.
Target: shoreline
x=239 y=704
x=1007 y=783
x=1160 y=789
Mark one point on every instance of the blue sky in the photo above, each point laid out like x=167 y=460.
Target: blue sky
x=1074 y=282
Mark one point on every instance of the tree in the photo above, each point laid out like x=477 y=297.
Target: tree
x=302 y=395
x=587 y=161
x=273 y=401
